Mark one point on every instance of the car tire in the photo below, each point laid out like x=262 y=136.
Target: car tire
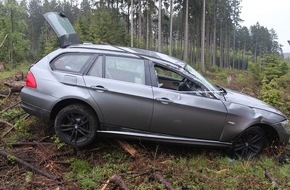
x=76 y=125
x=250 y=143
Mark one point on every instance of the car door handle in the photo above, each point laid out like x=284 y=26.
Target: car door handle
x=99 y=88
x=164 y=100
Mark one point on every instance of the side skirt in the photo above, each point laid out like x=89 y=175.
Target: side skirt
x=165 y=138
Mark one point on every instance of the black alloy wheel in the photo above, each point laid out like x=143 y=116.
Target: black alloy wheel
x=250 y=143
x=76 y=125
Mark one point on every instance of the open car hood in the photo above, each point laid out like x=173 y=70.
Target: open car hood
x=62 y=28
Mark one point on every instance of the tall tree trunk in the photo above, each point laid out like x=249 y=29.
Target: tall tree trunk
x=203 y=37
x=214 y=36
x=234 y=48
x=227 y=50
x=11 y=39
x=132 y=23
x=147 y=28
x=170 y=31
x=207 y=58
x=159 y=26
x=185 y=53
x=149 y=33
x=221 y=45
x=140 y=24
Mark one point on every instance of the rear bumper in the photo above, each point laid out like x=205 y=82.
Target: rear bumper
x=36 y=103
x=35 y=111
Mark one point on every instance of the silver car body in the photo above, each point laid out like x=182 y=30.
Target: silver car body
x=208 y=116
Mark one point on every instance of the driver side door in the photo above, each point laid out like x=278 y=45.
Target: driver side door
x=185 y=114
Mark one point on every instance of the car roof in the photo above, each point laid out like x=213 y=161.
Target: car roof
x=69 y=39
x=143 y=53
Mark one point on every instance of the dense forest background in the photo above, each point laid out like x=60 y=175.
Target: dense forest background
x=205 y=33
x=198 y=31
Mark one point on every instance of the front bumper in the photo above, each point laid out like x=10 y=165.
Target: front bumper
x=283 y=131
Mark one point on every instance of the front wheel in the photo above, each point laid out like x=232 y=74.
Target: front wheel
x=76 y=125
x=250 y=143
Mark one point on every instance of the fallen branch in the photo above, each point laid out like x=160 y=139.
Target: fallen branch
x=158 y=176
x=6 y=123
x=12 y=106
x=30 y=166
x=17 y=116
x=128 y=148
x=56 y=155
x=269 y=176
x=3 y=96
x=7 y=132
x=117 y=180
x=29 y=144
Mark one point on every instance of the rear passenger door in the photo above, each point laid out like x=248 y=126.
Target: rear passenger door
x=119 y=86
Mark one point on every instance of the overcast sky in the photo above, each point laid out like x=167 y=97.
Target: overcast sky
x=271 y=14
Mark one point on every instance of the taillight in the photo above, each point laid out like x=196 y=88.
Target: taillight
x=30 y=80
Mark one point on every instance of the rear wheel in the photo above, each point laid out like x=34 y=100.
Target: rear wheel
x=250 y=143
x=76 y=125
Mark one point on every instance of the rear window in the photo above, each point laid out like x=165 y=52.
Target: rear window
x=71 y=62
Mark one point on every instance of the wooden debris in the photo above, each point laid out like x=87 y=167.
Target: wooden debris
x=12 y=106
x=6 y=123
x=18 y=144
x=69 y=152
x=158 y=176
x=29 y=166
x=128 y=148
x=269 y=176
x=118 y=181
x=14 y=86
x=3 y=96
x=19 y=76
x=8 y=131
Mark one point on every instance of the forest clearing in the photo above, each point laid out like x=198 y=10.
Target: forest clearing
x=32 y=157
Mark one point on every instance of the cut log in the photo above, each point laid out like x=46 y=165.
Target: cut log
x=128 y=148
x=118 y=181
x=19 y=76
x=15 y=86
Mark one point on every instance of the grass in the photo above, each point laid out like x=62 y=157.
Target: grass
x=189 y=168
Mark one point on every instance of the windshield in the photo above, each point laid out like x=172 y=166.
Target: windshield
x=193 y=72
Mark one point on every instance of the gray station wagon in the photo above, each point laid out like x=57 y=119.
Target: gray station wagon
x=91 y=89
